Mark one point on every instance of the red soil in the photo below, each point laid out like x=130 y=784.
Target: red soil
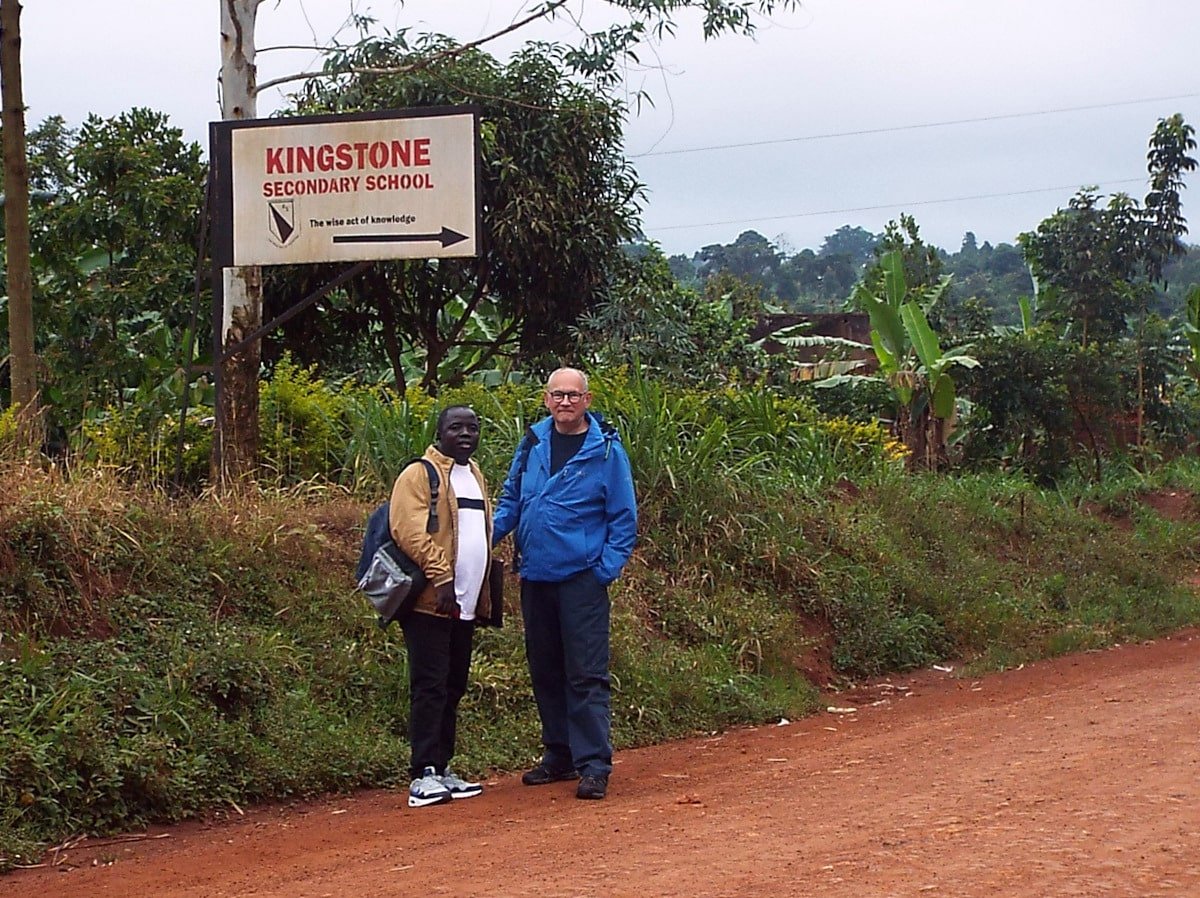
x=1077 y=776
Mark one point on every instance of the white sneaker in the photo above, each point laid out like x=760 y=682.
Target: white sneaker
x=459 y=787
x=427 y=789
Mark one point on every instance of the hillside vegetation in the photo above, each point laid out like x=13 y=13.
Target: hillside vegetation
x=164 y=656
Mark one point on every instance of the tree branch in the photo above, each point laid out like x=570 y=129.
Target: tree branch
x=492 y=349
x=382 y=296
x=547 y=11
x=481 y=286
x=314 y=48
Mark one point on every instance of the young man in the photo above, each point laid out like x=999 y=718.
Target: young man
x=440 y=631
x=569 y=499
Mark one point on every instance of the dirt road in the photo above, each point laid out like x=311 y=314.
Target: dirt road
x=1074 y=777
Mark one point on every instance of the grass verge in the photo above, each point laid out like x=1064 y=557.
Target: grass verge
x=160 y=658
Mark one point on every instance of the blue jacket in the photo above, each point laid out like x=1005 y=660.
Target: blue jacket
x=582 y=518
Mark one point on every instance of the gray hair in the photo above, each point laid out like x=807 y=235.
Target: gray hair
x=583 y=377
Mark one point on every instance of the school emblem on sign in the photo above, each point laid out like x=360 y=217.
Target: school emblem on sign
x=282 y=223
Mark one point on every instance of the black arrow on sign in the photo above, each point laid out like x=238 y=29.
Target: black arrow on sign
x=446 y=238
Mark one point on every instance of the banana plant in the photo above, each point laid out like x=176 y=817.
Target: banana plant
x=1026 y=313
x=911 y=359
x=1191 y=330
x=934 y=362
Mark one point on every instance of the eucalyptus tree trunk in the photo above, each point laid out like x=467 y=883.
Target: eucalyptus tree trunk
x=23 y=361
x=235 y=448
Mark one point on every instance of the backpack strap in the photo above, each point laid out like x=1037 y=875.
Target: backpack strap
x=607 y=430
x=526 y=446
x=527 y=443
x=432 y=525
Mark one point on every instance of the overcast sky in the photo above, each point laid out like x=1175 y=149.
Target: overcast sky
x=969 y=115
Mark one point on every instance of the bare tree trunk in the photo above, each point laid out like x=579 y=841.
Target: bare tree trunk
x=16 y=230
x=382 y=297
x=927 y=438
x=1141 y=380
x=1082 y=414
x=1141 y=398
x=237 y=453
x=235 y=449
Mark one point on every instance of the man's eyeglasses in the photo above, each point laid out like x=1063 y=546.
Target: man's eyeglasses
x=565 y=395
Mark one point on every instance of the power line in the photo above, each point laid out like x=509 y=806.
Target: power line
x=954 y=199
x=948 y=122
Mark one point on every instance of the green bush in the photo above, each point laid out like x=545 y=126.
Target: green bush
x=147 y=448
x=302 y=425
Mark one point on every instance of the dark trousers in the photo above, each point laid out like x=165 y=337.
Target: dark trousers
x=566 y=644
x=439 y=660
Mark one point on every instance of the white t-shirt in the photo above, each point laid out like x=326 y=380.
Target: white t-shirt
x=470 y=568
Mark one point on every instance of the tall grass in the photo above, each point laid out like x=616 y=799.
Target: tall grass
x=384 y=433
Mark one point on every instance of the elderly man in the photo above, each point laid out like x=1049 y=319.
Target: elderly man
x=570 y=501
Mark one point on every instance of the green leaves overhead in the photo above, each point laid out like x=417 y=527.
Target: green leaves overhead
x=559 y=200
x=598 y=54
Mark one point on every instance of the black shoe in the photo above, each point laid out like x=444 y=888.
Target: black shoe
x=592 y=787
x=542 y=775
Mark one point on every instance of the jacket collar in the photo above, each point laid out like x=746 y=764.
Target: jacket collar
x=598 y=433
x=443 y=461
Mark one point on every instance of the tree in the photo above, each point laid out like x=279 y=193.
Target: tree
x=235 y=443
x=1178 y=277
x=113 y=223
x=1096 y=266
x=684 y=270
x=116 y=257
x=1167 y=160
x=1094 y=255
x=855 y=242
x=23 y=362
x=1088 y=255
x=989 y=280
x=1021 y=413
x=820 y=281
x=751 y=258
x=922 y=263
x=48 y=147
x=653 y=322
x=559 y=202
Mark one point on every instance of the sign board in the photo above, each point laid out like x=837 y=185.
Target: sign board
x=392 y=185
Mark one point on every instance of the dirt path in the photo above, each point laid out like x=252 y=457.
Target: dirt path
x=1075 y=777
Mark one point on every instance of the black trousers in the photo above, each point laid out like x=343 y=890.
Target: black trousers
x=439 y=661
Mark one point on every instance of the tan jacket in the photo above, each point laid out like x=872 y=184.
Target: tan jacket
x=434 y=552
